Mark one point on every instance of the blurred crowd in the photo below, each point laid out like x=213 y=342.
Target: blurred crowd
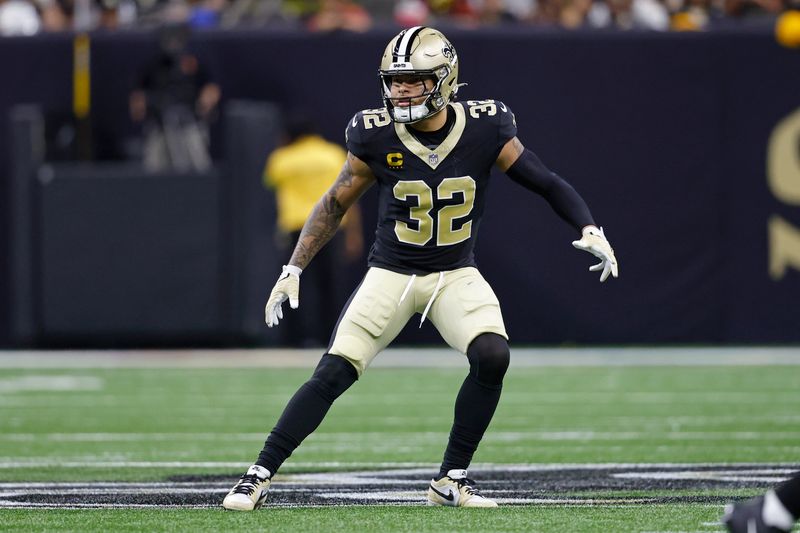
x=28 y=17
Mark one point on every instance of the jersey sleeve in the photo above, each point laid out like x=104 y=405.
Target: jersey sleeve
x=506 y=124
x=354 y=137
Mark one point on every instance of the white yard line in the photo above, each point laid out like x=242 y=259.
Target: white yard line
x=400 y=357
x=398 y=485
x=50 y=383
x=378 y=437
x=47 y=462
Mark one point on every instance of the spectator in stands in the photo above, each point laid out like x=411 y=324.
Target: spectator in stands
x=694 y=15
x=749 y=9
x=628 y=14
x=459 y=11
x=576 y=14
x=409 y=13
x=340 y=15
x=360 y=15
x=258 y=13
x=206 y=13
x=18 y=17
x=492 y=12
x=300 y=172
x=548 y=13
x=176 y=100
x=53 y=16
x=64 y=15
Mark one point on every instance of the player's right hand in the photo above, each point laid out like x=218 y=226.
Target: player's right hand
x=286 y=288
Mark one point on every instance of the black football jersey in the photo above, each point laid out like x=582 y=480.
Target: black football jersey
x=431 y=199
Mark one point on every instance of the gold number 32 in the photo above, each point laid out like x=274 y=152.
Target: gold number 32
x=446 y=234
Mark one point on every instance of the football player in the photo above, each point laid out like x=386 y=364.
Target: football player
x=430 y=157
x=774 y=512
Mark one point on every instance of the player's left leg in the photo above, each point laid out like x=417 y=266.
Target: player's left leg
x=477 y=399
x=302 y=415
x=467 y=314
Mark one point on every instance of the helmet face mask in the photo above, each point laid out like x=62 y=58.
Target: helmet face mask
x=425 y=53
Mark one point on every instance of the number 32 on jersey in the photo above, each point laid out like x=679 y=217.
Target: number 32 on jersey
x=447 y=216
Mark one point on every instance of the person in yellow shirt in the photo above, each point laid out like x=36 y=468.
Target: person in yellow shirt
x=300 y=172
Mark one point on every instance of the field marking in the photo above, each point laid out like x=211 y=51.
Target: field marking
x=49 y=462
x=773 y=476
x=380 y=437
x=29 y=383
x=340 y=488
x=34 y=505
x=391 y=467
x=401 y=357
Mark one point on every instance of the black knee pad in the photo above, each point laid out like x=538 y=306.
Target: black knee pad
x=489 y=357
x=333 y=376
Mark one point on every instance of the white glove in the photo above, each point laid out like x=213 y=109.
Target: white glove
x=594 y=241
x=287 y=287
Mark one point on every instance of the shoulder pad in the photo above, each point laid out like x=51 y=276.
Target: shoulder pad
x=492 y=114
x=493 y=110
x=363 y=128
x=368 y=120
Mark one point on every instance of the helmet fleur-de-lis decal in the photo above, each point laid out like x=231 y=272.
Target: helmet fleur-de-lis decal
x=449 y=52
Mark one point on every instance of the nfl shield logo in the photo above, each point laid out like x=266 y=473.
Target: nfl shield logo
x=433 y=159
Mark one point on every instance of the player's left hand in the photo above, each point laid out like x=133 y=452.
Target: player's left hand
x=286 y=288
x=594 y=241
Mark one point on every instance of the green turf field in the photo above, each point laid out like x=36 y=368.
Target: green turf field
x=121 y=438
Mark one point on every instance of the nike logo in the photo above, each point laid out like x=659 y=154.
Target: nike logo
x=503 y=107
x=448 y=496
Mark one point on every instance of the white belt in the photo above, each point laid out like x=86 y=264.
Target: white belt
x=433 y=296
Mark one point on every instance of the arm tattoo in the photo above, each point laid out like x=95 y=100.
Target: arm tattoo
x=323 y=221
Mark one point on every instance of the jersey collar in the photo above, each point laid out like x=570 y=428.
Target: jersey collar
x=433 y=158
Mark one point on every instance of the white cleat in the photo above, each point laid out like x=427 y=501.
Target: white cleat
x=456 y=490
x=250 y=491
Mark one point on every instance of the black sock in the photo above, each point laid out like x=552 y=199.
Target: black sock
x=789 y=495
x=306 y=410
x=475 y=406
x=477 y=400
x=303 y=414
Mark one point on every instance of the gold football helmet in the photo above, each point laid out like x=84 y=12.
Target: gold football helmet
x=425 y=52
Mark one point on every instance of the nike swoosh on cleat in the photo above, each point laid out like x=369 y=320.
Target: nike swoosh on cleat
x=448 y=496
x=261 y=499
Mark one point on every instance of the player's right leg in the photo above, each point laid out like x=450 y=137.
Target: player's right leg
x=371 y=319
x=250 y=492
x=302 y=415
